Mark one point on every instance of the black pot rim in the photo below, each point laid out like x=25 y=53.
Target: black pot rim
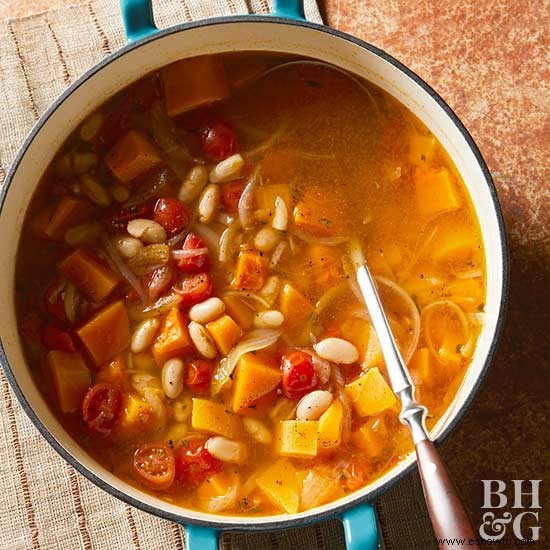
x=336 y=510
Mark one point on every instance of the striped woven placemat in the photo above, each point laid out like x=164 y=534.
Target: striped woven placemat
x=45 y=504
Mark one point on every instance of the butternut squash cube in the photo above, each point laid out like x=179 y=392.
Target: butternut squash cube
x=190 y=83
x=371 y=437
x=89 y=274
x=436 y=192
x=69 y=211
x=112 y=372
x=370 y=393
x=136 y=418
x=107 y=333
x=254 y=378
x=454 y=247
x=212 y=417
x=330 y=428
x=251 y=271
x=71 y=379
x=265 y=196
x=422 y=148
x=298 y=438
x=216 y=486
x=173 y=340
x=319 y=213
x=132 y=155
x=295 y=307
x=279 y=484
x=420 y=366
x=323 y=266
x=363 y=336
x=225 y=332
x=239 y=310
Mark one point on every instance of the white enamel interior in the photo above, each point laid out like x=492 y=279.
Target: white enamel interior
x=221 y=37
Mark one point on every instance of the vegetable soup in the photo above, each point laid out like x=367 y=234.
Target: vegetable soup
x=185 y=294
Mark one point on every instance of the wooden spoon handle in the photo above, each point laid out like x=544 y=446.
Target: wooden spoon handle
x=447 y=513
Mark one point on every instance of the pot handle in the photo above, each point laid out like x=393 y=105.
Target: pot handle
x=360 y=528
x=137 y=17
x=293 y=9
x=360 y=531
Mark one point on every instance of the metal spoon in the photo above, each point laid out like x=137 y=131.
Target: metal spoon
x=447 y=514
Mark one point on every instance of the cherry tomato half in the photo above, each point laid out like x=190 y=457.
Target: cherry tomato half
x=195 y=289
x=218 y=140
x=56 y=338
x=155 y=465
x=191 y=262
x=101 y=407
x=194 y=463
x=299 y=376
x=231 y=195
x=199 y=375
x=172 y=214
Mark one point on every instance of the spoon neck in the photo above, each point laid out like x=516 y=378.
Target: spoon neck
x=414 y=414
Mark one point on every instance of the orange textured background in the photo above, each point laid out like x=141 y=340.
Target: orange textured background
x=490 y=61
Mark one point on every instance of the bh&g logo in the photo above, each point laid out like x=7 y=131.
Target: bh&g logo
x=494 y=497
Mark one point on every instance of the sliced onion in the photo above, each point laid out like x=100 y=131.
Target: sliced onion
x=255 y=340
x=209 y=236
x=246 y=295
x=324 y=241
x=413 y=315
x=469 y=345
x=330 y=295
x=317 y=485
x=470 y=274
x=277 y=254
x=163 y=305
x=246 y=202
x=159 y=281
x=177 y=238
x=167 y=136
x=122 y=268
x=70 y=302
x=267 y=143
x=188 y=253
x=222 y=503
x=147 y=189
x=227 y=240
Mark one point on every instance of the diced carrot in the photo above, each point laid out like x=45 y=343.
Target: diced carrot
x=254 y=378
x=241 y=312
x=294 y=306
x=106 y=333
x=190 y=83
x=89 y=275
x=131 y=156
x=68 y=212
x=251 y=271
x=225 y=332
x=436 y=192
x=319 y=213
x=173 y=339
x=420 y=366
x=71 y=378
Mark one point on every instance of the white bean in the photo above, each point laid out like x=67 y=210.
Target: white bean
x=256 y=428
x=313 y=405
x=280 y=217
x=271 y=318
x=266 y=239
x=193 y=184
x=83 y=162
x=208 y=203
x=148 y=231
x=202 y=340
x=337 y=350
x=207 y=311
x=226 y=169
x=127 y=246
x=144 y=334
x=94 y=190
x=226 y=450
x=172 y=377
